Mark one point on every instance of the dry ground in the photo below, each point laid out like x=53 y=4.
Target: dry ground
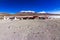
x=30 y=29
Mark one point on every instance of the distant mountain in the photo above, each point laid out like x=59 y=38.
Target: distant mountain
x=26 y=14
x=4 y=14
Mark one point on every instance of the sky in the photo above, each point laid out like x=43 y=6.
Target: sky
x=14 y=6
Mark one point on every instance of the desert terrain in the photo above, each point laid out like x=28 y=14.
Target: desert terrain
x=30 y=29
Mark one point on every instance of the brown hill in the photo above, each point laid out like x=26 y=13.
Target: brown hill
x=25 y=14
x=4 y=14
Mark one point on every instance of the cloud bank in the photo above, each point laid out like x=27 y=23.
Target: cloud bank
x=28 y=11
x=51 y=12
x=54 y=12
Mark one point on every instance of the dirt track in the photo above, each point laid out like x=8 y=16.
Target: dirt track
x=30 y=30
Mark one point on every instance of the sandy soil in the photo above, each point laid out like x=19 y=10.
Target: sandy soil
x=30 y=29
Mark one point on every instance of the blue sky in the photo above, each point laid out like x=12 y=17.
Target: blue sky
x=13 y=6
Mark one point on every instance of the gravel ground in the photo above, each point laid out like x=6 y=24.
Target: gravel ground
x=30 y=29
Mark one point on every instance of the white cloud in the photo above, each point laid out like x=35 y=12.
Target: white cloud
x=28 y=11
x=51 y=12
x=54 y=12
x=41 y=12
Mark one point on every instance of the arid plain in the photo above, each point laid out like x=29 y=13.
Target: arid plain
x=30 y=29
